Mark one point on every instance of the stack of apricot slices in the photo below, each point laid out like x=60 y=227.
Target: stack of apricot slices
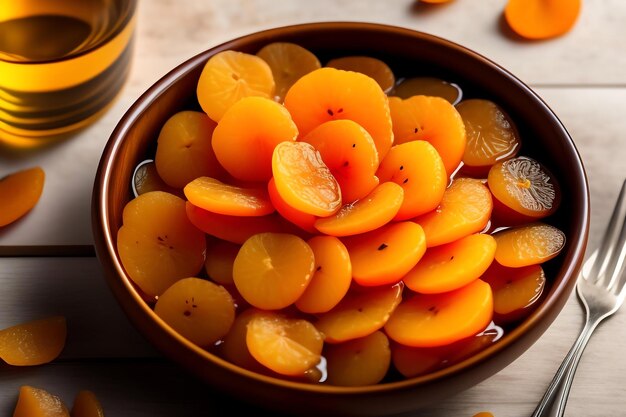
x=306 y=222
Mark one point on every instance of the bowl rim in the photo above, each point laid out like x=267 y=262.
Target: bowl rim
x=105 y=245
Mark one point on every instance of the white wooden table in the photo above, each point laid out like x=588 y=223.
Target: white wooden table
x=582 y=77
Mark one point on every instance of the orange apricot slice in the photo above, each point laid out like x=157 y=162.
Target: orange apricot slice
x=157 y=243
x=199 y=310
x=465 y=209
x=234 y=347
x=303 y=181
x=516 y=291
x=330 y=94
x=220 y=258
x=272 y=270
x=427 y=320
x=146 y=179
x=491 y=135
x=350 y=154
x=229 y=76
x=331 y=278
x=184 y=150
x=33 y=343
x=286 y=346
x=370 y=66
x=524 y=186
x=542 y=19
x=358 y=362
x=434 y=120
x=530 y=244
x=289 y=62
x=429 y=86
x=19 y=193
x=86 y=404
x=367 y=214
x=236 y=229
x=360 y=313
x=215 y=196
x=36 y=402
x=303 y=220
x=385 y=255
x=417 y=167
x=453 y=265
x=245 y=148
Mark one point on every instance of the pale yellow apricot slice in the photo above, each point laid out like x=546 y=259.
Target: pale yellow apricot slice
x=375 y=210
x=358 y=362
x=452 y=266
x=157 y=243
x=272 y=270
x=86 y=404
x=332 y=277
x=19 y=193
x=286 y=346
x=435 y=319
x=289 y=62
x=360 y=313
x=36 y=402
x=33 y=343
x=229 y=76
x=198 y=309
x=530 y=244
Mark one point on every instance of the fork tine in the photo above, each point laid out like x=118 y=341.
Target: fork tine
x=616 y=265
x=605 y=253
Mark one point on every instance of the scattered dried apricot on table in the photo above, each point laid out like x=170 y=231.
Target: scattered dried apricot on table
x=542 y=19
x=86 y=404
x=33 y=343
x=36 y=402
x=19 y=193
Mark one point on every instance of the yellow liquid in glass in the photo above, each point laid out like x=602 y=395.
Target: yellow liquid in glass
x=61 y=63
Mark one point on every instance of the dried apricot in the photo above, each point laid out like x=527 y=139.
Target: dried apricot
x=453 y=265
x=418 y=169
x=220 y=258
x=245 y=149
x=530 y=244
x=33 y=343
x=19 y=193
x=289 y=62
x=491 y=135
x=229 y=76
x=184 y=150
x=375 y=210
x=157 y=243
x=385 y=255
x=350 y=154
x=434 y=120
x=234 y=347
x=272 y=270
x=36 y=402
x=358 y=362
x=465 y=209
x=332 y=277
x=360 y=313
x=541 y=19
x=303 y=220
x=198 y=309
x=286 y=346
x=303 y=181
x=330 y=94
x=86 y=404
x=427 y=320
x=370 y=66
x=215 y=196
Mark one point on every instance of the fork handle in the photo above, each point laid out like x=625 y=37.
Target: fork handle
x=555 y=398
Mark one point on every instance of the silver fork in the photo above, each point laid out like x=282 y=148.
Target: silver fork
x=601 y=290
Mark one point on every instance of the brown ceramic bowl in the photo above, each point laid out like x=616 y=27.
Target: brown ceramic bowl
x=408 y=53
